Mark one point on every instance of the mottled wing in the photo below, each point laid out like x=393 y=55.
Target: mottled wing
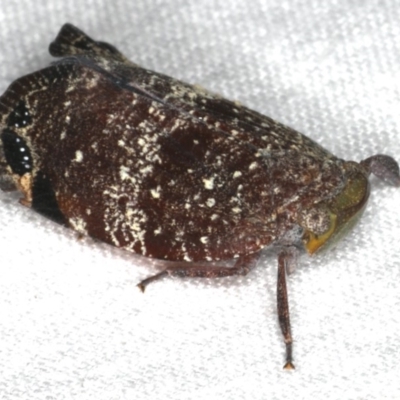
x=148 y=170
x=228 y=116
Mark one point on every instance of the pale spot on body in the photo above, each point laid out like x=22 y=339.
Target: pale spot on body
x=124 y=174
x=79 y=225
x=253 y=165
x=210 y=202
x=156 y=193
x=147 y=170
x=208 y=183
x=78 y=156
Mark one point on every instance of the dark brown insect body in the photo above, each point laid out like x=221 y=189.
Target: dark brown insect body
x=164 y=169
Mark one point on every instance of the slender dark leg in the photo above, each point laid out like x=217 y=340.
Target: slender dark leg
x=285 y=258
x=142 y=285
x=241 y=267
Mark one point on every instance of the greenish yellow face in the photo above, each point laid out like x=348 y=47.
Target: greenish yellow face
x=332 y=220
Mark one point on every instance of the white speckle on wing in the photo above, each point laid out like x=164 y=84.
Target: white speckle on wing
x=210 y=202
x=125 y=175
x=208 y=183
x=79 y=225
x=78 y=156
x=156 y=193
x=204 y=239
x=147 y=170
x=253 y=165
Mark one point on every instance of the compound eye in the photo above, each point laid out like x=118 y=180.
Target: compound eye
x=316 y=220
x=16 y=152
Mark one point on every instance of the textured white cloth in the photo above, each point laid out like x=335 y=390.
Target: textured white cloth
x=72 y=323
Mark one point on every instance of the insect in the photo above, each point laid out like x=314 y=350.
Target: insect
x=164 y=169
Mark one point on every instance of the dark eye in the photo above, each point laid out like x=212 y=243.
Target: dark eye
x=16 y=152
x=19 y=117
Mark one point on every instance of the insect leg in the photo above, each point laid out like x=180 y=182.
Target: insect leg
x=242 y=266
x=285 y=258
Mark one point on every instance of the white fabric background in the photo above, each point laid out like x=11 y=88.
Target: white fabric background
x=72 y=323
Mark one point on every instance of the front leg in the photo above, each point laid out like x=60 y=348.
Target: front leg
x=286 y=259
x=242 y=266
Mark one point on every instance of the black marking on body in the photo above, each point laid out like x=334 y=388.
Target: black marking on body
x=44 y=199
x=16 y=152
x=19 y=117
